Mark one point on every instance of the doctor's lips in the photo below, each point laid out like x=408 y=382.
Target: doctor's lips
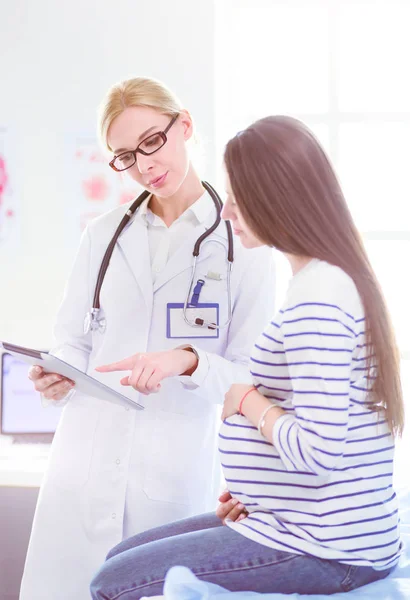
x=158 y=181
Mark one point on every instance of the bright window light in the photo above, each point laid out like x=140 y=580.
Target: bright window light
x=342 y=67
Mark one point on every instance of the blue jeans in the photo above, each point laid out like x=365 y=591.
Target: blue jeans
x=217 y=554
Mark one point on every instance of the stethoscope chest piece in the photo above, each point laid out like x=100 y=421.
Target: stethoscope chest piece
x=93 y=323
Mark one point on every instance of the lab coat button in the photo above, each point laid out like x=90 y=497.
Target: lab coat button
x=118 y=461
x=113 y=516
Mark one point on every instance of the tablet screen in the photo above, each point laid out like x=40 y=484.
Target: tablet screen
x=21 y=409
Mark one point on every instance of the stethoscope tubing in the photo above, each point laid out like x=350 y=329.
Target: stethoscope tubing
x=91 y=319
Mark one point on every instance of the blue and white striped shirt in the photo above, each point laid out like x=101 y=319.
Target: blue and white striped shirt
x=323 y=487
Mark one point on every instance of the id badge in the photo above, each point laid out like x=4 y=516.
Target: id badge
x=177 y=328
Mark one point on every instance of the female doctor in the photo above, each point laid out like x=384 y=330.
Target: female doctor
x=115 y=471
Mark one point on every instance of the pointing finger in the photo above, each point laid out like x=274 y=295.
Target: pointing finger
x=127 y=364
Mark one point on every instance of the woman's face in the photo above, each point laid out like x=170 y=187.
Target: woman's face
x=163 y=172
x=231 y=212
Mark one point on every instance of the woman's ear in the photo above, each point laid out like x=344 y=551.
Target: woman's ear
x=187 y=123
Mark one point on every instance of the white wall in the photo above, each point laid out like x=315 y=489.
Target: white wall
x=57 y=61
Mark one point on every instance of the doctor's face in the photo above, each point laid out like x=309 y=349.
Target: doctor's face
x=163 y=172
x=231 y=212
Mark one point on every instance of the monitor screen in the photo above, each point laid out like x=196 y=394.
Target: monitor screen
x=21 y=409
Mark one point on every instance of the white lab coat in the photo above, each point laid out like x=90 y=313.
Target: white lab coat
x=169 y=451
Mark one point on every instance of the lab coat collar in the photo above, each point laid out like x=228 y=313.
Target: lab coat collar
x=199 y=211
x=133 y=243
x=183 y=258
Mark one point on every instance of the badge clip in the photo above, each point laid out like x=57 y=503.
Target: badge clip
x=197 y=290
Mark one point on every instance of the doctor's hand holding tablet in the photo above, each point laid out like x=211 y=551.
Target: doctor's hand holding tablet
x=52 y=386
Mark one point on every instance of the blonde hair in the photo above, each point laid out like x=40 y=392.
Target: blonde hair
x=138 y=91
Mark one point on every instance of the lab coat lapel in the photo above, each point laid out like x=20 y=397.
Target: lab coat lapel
x=183 y=258
x=133 y=244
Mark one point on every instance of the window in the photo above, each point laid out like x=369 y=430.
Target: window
x=341 y=66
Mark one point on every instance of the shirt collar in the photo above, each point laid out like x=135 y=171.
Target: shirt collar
x=143 y=210
x=199 y=210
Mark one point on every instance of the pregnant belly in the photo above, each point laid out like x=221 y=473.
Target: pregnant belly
x=246 y=457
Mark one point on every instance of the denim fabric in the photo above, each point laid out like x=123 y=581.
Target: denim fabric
x=217 y=554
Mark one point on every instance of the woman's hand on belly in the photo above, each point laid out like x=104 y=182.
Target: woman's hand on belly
x=230 y=508
x=233 y=399
x=149 y=369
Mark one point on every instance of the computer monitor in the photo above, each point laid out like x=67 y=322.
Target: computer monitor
x=21 y=412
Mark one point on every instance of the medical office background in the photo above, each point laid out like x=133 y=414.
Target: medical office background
x=340 y=65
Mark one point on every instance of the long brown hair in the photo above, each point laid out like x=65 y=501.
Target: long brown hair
x=289 y=195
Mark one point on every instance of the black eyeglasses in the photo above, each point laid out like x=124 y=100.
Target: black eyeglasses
x=148 y=146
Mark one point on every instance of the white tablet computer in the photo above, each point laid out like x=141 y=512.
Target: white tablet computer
x=83 y=382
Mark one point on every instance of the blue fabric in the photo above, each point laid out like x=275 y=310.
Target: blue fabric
x=181 y=584
x=138 y=566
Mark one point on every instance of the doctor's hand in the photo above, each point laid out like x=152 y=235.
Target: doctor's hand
x=148 y=370
x=230 y=508
x=51 y=385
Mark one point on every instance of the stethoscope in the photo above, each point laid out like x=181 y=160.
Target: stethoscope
x=92 y=322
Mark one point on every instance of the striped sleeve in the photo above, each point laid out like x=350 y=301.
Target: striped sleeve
x=312 y=438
